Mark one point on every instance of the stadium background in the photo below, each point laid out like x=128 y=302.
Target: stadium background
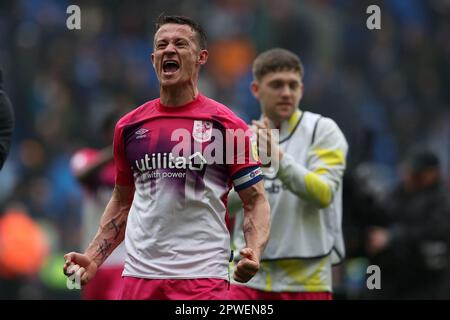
x=387 y=89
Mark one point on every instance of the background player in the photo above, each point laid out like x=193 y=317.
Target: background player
x=6 y=123
x=95 y=171
x=304 y=194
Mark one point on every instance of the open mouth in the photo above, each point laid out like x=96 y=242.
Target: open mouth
x=170 y=66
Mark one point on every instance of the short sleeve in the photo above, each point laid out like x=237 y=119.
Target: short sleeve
x=242 y=155
x=124 y=175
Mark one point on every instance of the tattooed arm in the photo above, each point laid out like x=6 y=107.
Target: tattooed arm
x=110 y=234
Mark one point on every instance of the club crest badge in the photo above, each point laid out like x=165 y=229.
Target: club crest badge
x=254 y=146
x=202 y=130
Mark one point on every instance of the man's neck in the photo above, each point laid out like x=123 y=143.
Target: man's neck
x=291 y=121
x=276 y=123
x=176 y=96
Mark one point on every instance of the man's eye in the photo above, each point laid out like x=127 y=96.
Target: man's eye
x=293 y=85
x=181 y=44
x=160 y=45
x=276 y=85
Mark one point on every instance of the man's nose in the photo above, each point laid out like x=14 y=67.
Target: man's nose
x=285 y=91
x=169 y=48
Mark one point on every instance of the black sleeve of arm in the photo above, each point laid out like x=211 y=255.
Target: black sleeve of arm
x=435 y=227
x=6 y=124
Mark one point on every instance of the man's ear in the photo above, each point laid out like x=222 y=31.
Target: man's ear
x=203 y=57
x=254 y=88
x=152 y=57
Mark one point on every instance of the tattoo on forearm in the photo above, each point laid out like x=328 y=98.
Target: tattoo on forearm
x=103 y=248
x=117 y=227
x=111 y=231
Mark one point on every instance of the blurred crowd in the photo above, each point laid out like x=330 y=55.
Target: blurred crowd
x=386 y=89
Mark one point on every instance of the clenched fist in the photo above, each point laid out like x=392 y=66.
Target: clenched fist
x=247 y=266
x=81 y=265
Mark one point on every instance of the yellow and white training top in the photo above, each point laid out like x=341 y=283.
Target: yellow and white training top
x=305 y=197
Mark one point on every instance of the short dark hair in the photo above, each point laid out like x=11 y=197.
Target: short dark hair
x=276 y=59
x=201 y=35
x=420 y=160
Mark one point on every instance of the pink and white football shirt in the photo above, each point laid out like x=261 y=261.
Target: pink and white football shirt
x=176 y=226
